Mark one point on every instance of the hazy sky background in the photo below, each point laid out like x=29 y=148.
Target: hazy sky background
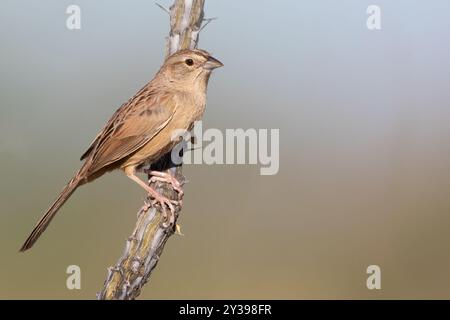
x=364 y=119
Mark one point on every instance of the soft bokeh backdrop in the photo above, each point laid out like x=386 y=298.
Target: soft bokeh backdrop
x=364 y=119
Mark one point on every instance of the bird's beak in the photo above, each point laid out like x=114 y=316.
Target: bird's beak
x=212 y=63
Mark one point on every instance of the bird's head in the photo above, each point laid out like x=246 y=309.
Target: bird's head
x=189 y=68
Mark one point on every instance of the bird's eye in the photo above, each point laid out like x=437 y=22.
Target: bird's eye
x=189 y=62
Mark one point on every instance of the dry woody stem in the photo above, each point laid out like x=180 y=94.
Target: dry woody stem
x=146 y=244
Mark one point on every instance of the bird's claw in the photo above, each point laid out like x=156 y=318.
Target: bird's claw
x=168 y=178
x=166 y=202
x=163 y=201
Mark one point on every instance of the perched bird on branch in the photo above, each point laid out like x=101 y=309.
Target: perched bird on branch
x=140 y=131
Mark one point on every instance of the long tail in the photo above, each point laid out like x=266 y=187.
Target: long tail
x=48 y=216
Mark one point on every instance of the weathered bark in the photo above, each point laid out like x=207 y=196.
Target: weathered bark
x=146 y=244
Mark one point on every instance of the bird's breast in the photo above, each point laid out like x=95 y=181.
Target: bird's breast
x=185 y=112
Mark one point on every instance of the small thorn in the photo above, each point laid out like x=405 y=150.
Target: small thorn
x=207 y=20
x=178 y=230
x=163 y=8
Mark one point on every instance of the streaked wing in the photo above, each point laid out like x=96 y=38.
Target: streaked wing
x=131 y=127
x=116 y=117
x=99 y=135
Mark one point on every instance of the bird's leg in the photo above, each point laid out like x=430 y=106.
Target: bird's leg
x=168 y=178
x=158 y=198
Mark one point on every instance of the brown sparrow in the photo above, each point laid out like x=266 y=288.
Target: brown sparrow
x=140 y=131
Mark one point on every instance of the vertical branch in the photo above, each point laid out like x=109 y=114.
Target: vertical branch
x=186 y=18
x=146 y=244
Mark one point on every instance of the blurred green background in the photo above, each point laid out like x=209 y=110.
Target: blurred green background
x=364 y=119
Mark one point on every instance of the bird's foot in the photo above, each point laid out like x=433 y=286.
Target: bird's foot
x=156 y=198
x=165 y=203
x=168 y=178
